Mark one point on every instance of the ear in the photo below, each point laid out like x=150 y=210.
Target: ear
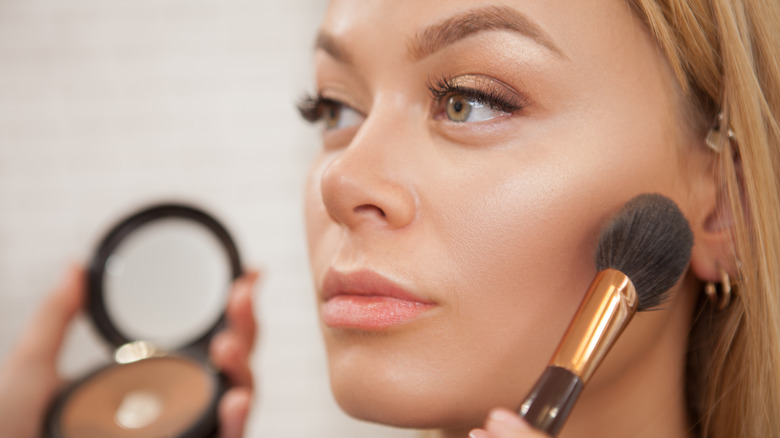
x=713 y=247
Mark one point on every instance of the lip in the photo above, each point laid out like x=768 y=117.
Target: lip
x=365 y=300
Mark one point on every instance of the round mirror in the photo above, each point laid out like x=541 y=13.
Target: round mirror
x=162 y=276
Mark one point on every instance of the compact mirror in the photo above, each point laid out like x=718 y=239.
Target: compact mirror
x=162 y=276
x=166 y=281
x=157 y=290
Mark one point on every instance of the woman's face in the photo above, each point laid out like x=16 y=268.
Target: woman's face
x=471 y=152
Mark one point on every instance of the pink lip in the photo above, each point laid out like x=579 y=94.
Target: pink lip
x=366 y=300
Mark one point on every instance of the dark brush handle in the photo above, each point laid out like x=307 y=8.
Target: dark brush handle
x=551 y=400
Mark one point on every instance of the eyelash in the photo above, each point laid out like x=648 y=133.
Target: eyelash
x=495 y=97
x=311 y=107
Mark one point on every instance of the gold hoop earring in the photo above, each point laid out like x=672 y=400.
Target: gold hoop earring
x=720 y=297
x=719 y=133
x=714 y=138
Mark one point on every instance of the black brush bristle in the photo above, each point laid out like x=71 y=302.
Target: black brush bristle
x=650 y=241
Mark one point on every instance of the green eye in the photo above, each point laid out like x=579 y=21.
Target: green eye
x=462 y=108
x=458 y=108
x=336 y=115
x=331 y=115
x=473 y=98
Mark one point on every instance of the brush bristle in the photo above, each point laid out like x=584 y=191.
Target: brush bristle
x=650 y=241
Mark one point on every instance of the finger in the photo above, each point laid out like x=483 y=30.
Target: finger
x=230 y=349
x=231 y=356
x=240 y=310
x=233 y=412
x=42 y=340
x=503 y=423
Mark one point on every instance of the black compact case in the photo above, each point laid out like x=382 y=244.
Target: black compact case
x=157 y=289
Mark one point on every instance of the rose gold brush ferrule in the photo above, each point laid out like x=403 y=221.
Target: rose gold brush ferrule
x=605 y=311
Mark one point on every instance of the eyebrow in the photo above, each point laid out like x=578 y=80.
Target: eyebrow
x=332 y=47
x=437 y=36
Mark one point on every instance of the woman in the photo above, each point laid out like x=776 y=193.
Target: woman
x=471 y=152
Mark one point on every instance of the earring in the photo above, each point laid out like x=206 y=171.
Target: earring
x=714 y=136
x=719 y=299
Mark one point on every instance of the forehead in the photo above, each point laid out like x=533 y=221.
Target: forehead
x=574 y=26
x=604 y=48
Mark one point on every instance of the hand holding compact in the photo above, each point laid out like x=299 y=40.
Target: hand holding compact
x=158 y=292
x=230 y=352
x=29 y=377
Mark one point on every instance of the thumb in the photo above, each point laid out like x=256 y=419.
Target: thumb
x=42 y=340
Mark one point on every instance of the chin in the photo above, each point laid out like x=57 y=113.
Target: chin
x=399 y=391
x=389 y=404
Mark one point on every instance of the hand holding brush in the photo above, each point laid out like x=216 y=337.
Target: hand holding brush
x=642 y=253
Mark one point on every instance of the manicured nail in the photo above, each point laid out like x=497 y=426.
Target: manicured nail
x=244 y=287
x=478 y=433
x=221 y=349
x=72 y=273
x=508 y=418
x=253 y=275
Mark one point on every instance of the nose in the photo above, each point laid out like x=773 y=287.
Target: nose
x=365 y=184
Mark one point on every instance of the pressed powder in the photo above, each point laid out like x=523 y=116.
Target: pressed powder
x=158 y=397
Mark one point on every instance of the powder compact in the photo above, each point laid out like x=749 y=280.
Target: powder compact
x=157 y=290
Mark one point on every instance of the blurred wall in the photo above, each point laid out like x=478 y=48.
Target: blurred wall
x=107 y=105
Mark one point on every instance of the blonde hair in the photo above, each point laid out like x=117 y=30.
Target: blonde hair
x=726 y=56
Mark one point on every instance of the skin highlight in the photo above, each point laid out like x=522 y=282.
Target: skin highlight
x=495 y=221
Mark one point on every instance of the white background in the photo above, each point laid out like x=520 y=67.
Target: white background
x=108 y=105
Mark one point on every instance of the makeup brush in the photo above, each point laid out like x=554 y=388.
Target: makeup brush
x=642 y=252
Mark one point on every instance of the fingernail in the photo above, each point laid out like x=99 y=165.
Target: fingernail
x=244 y=286
x=478 y=433
x=507 y=418
x=71 y=273
x=247 y=281
x=253 y=275
x=220 y=350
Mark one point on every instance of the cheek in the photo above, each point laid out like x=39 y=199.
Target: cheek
x=317 y=219
x=518 y=258
x=519 y=241
x=538 y=209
